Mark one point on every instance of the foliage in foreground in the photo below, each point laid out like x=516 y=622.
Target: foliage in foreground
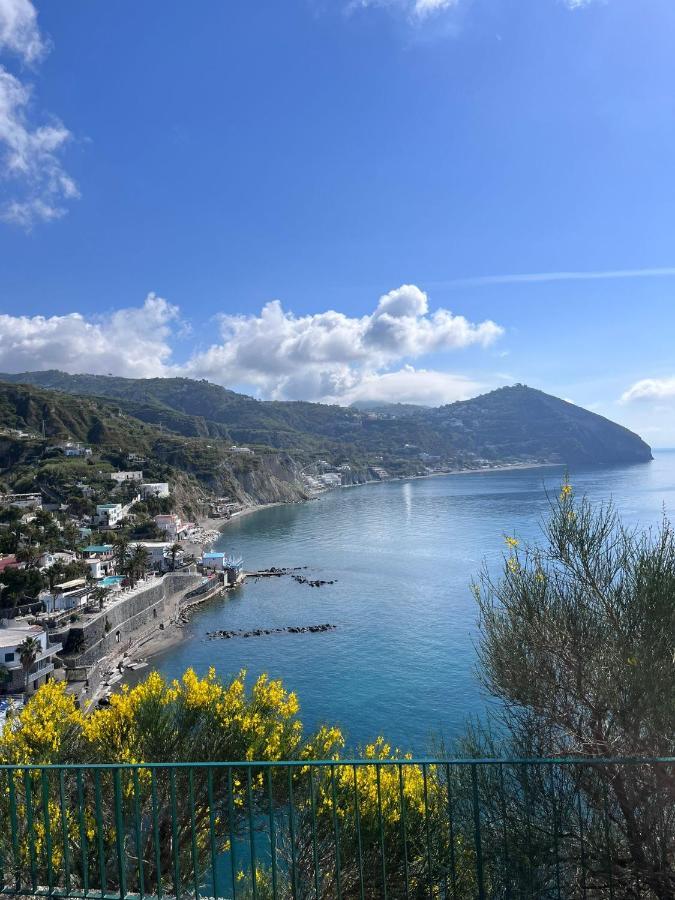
x=576 y=642
x=173 y=820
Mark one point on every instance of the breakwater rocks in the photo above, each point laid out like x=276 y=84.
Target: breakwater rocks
x=260 y=632
x=312 y=582
x=274 y=572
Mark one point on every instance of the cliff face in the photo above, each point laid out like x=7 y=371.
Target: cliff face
x=268 y=478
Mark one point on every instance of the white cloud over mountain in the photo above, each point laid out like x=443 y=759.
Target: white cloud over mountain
x=324 y=356
x=132 y=342
x=34 y=183
x=650 y=389
x=330 y=355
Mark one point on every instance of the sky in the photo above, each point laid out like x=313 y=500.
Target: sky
x=343 y=200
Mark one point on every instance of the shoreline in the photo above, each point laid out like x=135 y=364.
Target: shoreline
x=221 y=524
x=174 y=631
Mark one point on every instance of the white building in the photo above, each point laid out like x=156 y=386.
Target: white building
x=159 y=556
x=121 y=477
x=15 y=679
x=99 y=558
x=173 y=526
x=235 y=449
x=109 y=514
x=155 y=489
x=213 y=562
x=67 y=595
x=331 y=479
x=48 y=559
x=71 y=448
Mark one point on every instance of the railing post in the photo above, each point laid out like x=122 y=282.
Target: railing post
x=477 y=833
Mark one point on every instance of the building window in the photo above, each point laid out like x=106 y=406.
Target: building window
x=9 y=657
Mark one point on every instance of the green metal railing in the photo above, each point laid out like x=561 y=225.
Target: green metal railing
x=363 y=828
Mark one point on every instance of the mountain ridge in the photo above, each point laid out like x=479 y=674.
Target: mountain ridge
x=510 y=424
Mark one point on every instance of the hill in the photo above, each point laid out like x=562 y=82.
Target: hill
x=511 y=425
x=34 y=422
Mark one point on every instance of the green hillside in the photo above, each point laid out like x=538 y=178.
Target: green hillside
x=514 y=424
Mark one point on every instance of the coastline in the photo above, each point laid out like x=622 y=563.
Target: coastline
x=173 y=633
x=221 y=524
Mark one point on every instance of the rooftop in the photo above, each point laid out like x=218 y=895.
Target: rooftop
x=10 y=637
x=98 y=548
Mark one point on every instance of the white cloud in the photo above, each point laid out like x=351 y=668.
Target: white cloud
x=410 y=385
x=420 y=10
x=130 y=341
x=650 y=389
x=415 y=9
x=330 y=355
x=326 y=356
x=36 y=184
x=19 y=32
x=426 y=7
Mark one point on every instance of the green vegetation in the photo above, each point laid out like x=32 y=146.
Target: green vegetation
x=577 y=645
x=516 y=423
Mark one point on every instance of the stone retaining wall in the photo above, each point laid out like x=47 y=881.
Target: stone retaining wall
x=121 y=625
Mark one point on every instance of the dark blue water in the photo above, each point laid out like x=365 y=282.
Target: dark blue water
x=402 y=660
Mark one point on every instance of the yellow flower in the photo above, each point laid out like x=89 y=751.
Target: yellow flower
x=511 y=542
x=565 y=490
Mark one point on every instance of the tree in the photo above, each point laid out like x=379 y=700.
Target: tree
x=120 y=553
x=55 y=573
x=99 y=595
x=19 y=584
x=577 y=641
x=174 y=550
x=70 y=535
x=28 y=650
x=137 y=563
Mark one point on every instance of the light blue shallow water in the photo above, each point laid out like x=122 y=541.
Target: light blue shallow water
x=402 y=660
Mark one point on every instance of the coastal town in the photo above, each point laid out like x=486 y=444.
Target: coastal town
x=88 y=588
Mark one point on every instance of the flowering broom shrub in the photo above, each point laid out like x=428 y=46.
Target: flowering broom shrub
x=139 y=827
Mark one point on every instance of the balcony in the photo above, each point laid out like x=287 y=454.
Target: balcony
x=339 y=829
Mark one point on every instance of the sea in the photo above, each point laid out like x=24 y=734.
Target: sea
x=401 y=662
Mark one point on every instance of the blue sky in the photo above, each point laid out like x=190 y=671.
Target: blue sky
x=317 y=198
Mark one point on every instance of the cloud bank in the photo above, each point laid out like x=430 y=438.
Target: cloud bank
x=35 y=184
x=132 y=341
x=330 y=356
x=326 y=356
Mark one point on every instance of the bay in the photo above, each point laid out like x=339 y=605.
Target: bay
x=401 y=662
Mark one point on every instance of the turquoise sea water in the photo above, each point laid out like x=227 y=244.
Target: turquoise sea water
x=402 y=659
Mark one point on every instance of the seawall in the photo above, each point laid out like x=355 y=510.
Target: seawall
x=89 y=641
